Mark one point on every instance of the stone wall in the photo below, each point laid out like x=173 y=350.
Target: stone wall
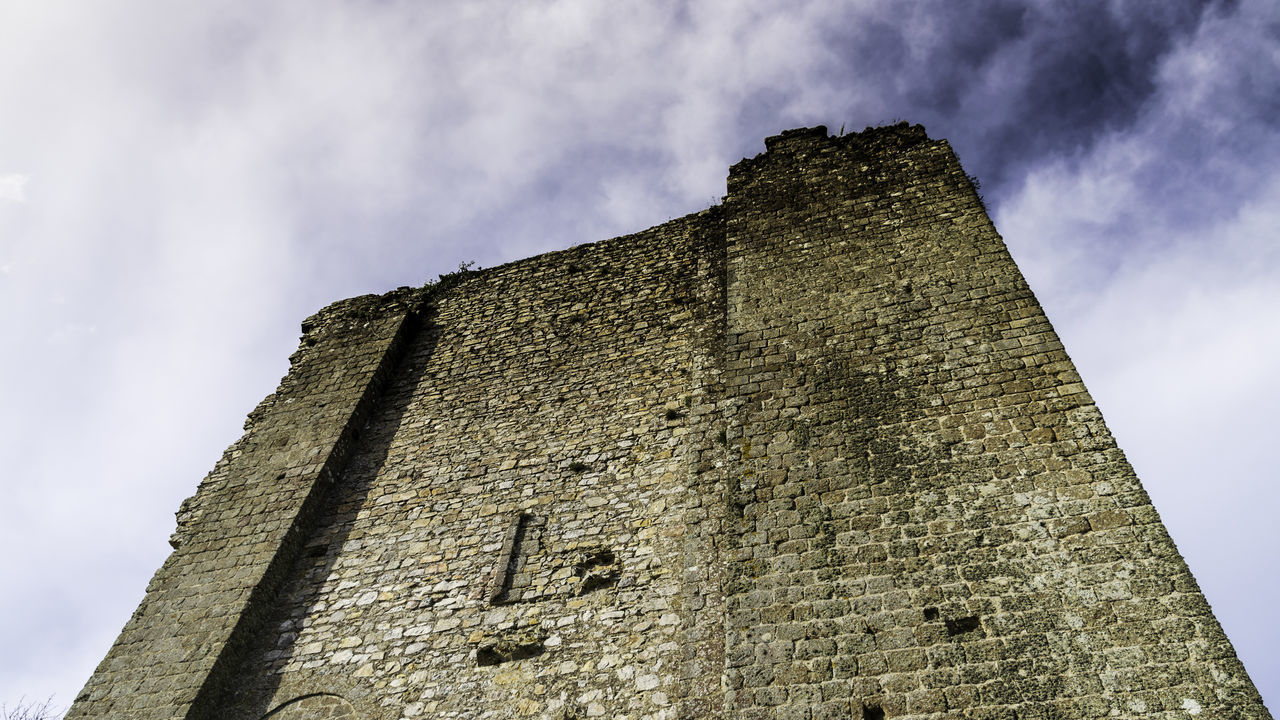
x=510 y=539
x=814 y=453
x=935 y=520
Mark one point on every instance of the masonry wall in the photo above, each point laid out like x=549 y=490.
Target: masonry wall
x=513 y=536
x=935 y=520
x=814 y=453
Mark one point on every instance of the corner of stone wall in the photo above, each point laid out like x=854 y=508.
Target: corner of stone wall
x=241 y=528
x=352 y=313
x=911 y=431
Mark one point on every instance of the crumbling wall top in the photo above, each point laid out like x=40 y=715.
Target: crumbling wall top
x=801 y=142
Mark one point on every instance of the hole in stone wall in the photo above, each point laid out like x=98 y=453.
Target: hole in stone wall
x=872 y=712
x=963 y=625
x=597 y=569
x=496 y=653
x=597 y=580
x=593 y=558
x=931 y=613
x=577 y=466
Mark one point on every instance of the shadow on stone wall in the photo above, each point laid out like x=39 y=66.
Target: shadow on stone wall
x=248 y=678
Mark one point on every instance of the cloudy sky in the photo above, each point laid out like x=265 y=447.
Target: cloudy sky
x=182 y=183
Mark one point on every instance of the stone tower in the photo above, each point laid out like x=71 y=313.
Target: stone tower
x=814 y=453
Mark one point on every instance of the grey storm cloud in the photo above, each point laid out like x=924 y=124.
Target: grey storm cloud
x=1014 y=82
x=181 y=184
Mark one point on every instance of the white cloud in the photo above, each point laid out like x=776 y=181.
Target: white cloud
x=13 y=188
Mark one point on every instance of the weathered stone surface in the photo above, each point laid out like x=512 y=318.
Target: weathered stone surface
x=813 y=453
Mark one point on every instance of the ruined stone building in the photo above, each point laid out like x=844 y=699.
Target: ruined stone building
x=814 y=453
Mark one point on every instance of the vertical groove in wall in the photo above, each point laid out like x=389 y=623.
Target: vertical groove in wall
x=240 y=529
x=502 y=571
x=223 y=680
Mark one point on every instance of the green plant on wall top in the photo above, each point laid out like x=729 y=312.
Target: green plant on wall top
x=450 y=279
